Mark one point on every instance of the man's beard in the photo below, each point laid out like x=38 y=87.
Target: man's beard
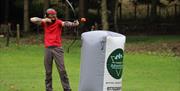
x=53 y=21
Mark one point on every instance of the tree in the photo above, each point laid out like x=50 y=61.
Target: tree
x=147 y=2
x=81 y=8
x=104 y=15
x=116 y=9
x=46 y=5
x=6 y=11
x=153 y=13
x=135 y=7
x=26 y=15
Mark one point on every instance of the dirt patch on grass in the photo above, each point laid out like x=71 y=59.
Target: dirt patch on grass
x=165 y=47
x=161 y=48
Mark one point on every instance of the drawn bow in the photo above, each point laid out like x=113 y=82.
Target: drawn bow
x=75 y=29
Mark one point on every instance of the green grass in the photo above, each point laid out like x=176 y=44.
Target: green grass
x=151 y=73
x=22 y=69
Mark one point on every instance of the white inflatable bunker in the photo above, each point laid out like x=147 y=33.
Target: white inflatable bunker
x=102 y=56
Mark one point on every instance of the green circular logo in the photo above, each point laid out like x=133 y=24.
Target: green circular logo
x=115 y=63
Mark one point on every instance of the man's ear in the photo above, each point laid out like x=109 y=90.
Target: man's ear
x=45 y=15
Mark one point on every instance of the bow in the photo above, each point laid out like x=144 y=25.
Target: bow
x=75 y=30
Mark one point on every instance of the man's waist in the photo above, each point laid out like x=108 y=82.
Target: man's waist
x=52 y=46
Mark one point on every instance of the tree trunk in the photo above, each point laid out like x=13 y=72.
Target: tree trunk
x=120 y=9
x=175 y=10
x=154 y=9
x=8 y=27
x=81 y=8
x=148 y=6
x=26 y=15
x=117 y=3
x=6 y=15
x=66 y=12
x=104 y=15
x=46 y=5
x=135 y=10
x=6 y=20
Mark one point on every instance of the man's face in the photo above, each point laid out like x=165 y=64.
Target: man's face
x=52 y=17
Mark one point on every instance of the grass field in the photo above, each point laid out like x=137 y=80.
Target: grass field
x=22 y=69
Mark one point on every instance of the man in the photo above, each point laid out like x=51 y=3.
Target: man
x=53 y=46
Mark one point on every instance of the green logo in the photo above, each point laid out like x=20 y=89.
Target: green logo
x=115 y=63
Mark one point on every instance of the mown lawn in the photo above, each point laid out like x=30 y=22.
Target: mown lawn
x=151 y=73
x=22 y=69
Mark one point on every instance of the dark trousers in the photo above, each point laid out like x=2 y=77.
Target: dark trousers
x=57 y=54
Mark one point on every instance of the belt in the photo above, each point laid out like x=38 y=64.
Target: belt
x=52 y=46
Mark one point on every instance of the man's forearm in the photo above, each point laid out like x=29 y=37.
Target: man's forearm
x=70 y=24
x=36 y=20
